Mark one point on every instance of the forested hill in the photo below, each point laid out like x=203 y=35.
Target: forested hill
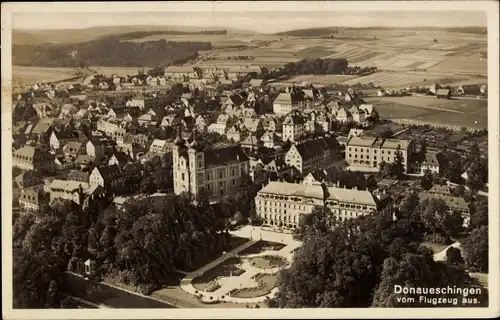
x=107 y=52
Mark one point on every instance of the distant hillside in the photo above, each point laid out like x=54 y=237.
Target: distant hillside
x=318 y=32
x=82 y=35
x=311 y=32
x=107 y=52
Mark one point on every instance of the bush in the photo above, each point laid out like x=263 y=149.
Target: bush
x=454 y=256
x=147 y=289
x=437 y=238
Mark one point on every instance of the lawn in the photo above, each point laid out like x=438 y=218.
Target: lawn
x=262 y=246
x=435 y=247
x=267 y=282
x=470 y=113
x=267 y=262
x=208 y=280
x=31 y=75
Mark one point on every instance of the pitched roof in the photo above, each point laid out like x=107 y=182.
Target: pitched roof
x=454 y=203
x=256 y=82
x=109 y=172
x=65 y=134
x=32 y=195
x=224 y=156
x=75 y=175
x=66 y=185
x=440 y=189
x=442 y=92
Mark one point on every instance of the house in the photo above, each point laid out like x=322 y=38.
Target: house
x=215 y=172
x=217 y=128
x=84 y=161
x=251 y=142
x=473 y=89
x=269 y=124
x=109 y=177
x=455 y=204
x=66 y=190
x=201 y=123
x=380 y=93
x=293 y=127
x=433 y=162
x=119 y=158
x=286 y=102
x=344 y=116
x=96 y=148
x=75 y=175
x=434 y=88
x=483 y=89
x=315 y=178
x=62 y=163
x=370 y=151
x=358 y=115
x=59 y=139
x=313 y=154
x=242 y=71
x=257 y=83
x=160 y=147
x=32 y=199
x=443 y=94
x=33 y=158
x=270 y=140
x=68 y=110
x=234 y=134
x=253 y=125
x=181 y=73
x=28 y=179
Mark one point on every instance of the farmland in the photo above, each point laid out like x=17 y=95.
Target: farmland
x=32 y=75
x=119 y=71
x=470 y=113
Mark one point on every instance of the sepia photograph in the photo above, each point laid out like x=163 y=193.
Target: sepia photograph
x=306 y=159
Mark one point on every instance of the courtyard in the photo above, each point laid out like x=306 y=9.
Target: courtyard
x=246 y=274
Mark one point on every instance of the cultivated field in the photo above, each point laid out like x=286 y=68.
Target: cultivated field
x=119 y=71
x=401 y=79
x=31 y=75
x=470 y=113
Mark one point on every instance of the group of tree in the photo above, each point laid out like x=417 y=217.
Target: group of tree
x=309 y=66
x=144 y=34
x=396 y=169
x=109 y=52
x=357 y=263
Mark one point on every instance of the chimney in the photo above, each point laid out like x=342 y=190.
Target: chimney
x=338 y=183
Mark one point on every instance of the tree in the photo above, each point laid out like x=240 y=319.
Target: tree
x=427 y=180
x=398 y=167
x=477 y=176
x=454 y=256
x=414 y=269
x=479 y=212
x=387 y=133
x=437 y=219
x=475 y=248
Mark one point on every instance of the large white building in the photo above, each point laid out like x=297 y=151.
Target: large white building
x=286 y=102
x=282 y=204
x=370 y=151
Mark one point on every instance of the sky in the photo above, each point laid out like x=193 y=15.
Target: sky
x=271 y=20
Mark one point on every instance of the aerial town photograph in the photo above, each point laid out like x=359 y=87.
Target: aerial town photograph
x=249 y=159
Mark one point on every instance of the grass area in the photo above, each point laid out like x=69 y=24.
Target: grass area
x=321 y=79
x=315 y=52
x=208 y=280
x=470 y=113
x=119 y=71
x=266 y=283
x=435 y=247
x=32 y=75
x=267 y=262
x=262 y=246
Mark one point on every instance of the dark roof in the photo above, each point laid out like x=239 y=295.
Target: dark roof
x=76 y=175
x=122 y=157
x=316 y=148
x=109 y=172
x=237 y=99
x=224 y=156
x=65 y=134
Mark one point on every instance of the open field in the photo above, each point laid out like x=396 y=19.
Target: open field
x=401 y=79
x=470 y=113
x=32 y=75
x=320 y=79
x=119 y=71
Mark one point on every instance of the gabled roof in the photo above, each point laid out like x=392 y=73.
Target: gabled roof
x=65 y=134
x=442 y=92
x=224 y=156
x=75 y=175
x=109 y=172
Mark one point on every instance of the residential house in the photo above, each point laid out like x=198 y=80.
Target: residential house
x=433 y=162
x=455 y=204
x=109 y=177
x=201 y=122
x=68 y=110
x=161 y=147
x=313 y=154
x=217 y=128
x=269 y=124
x=33 y=158
x=58 y=139
x=251 y=142
x=293 y=127
x=96 y=148
x=62 y=163
x=358 y=115
x=179 y=73
x=344 y=116
x=32 y=199
x=234 y=134
x=286 y=102
x=271 y=140
x=75 y=175
x=253 y=126
x=28 y=179
x=119 y=158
